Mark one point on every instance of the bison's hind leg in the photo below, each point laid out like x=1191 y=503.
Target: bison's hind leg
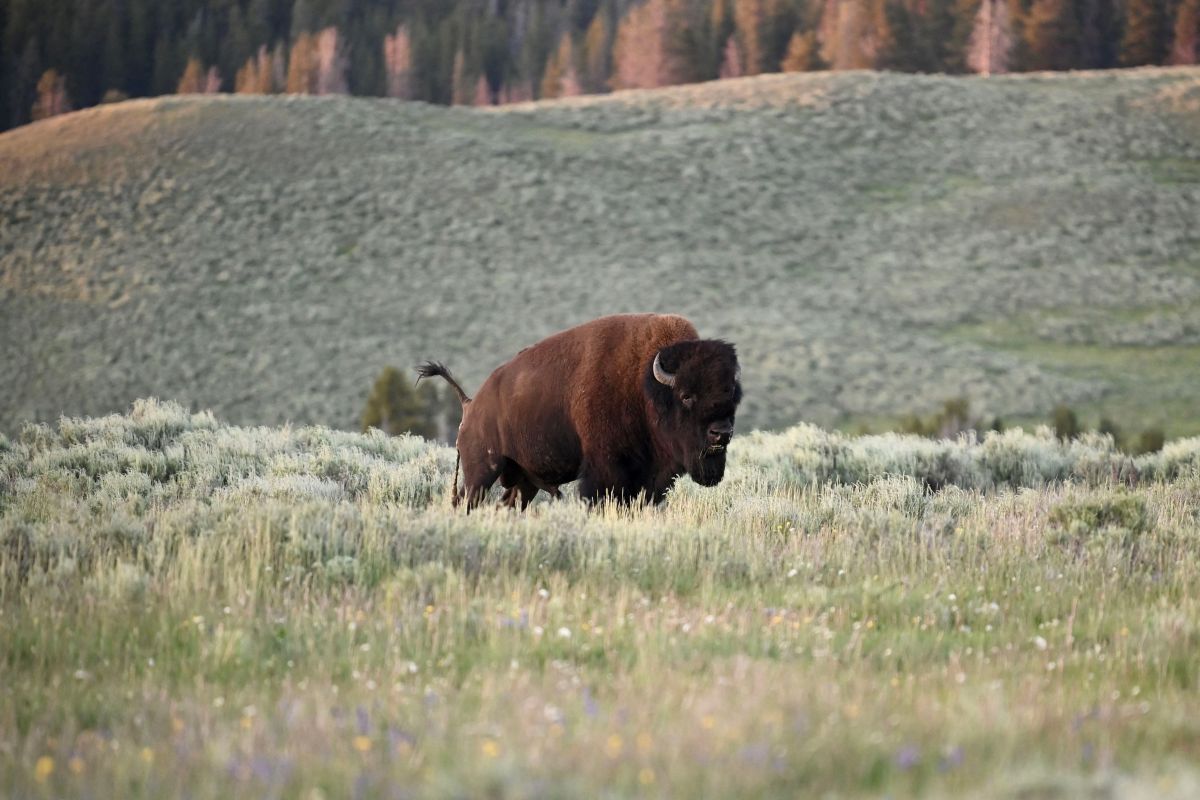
x=478 y=477
x=518 y=486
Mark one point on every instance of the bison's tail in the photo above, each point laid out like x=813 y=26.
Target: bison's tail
x=431 y=368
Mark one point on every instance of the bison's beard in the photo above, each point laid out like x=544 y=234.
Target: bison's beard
x=709 y=467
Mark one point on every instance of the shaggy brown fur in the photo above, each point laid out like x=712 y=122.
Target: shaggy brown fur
x=585 y=404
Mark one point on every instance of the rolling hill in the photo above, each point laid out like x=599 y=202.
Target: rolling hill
x=873 y=243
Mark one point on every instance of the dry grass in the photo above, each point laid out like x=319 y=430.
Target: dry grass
x=194 y=609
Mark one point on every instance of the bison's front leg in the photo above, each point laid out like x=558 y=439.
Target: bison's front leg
x=604 y=482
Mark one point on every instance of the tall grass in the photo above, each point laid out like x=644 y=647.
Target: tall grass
x=188 y=608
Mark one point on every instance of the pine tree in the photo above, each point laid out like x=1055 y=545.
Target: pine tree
x=246 y=81
x=397 y=58
x=268 y=83
x=1051 y=35
x=257 y=75
x=25 y=78
x=483 y=92
x=330 y=63
x=1145 y=36
x=731 y=60
x=460 y=82
x=1186 y=34
x=115 y=50
x=801 y=55
x=748 y=20
x=690 y=45
x=640 y=57
x=597 y=51
x=166 y=66
x=395 y=408
x=1099 y=33
x=212 y=80
x=848 y=35
x=303 y=19
x=52 y=97
x=560 y=78
x=301 y=75
x=991 y=39
x=139 y=57
x=194 y=80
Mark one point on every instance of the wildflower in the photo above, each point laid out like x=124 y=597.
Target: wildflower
x=43 y=769
x=951 y=758
x=613 y=746
x=708 y=722
x=490 y=748
x=1039 y=643
x=589 y=703
x=645 y=742
x=908 y=757
x=362 y=743
x=564 y=633
x=147 y=755
x=646 y=776
x=76 y=765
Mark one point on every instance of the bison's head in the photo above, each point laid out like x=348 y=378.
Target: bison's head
x=695 y=387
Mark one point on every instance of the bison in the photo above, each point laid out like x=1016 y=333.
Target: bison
x=625 y=404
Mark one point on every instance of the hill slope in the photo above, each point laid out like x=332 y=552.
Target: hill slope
x=873 y=243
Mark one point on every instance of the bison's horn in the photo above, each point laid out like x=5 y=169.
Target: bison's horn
x=661 y=375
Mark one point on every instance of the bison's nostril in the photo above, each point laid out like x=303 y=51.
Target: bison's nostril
x=719 y=437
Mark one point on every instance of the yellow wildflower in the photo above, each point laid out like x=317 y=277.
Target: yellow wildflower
x=43 y=769
x=362 y=743
x=490 y=748
x=613 y=746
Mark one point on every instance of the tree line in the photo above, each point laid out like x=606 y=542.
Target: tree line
x=955 y=418
x=65 y=54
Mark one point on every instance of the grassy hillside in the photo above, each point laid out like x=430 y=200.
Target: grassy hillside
x=193 y=609
x=873 y=243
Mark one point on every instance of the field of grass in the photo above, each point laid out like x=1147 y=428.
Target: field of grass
x=851 y=232
x=193 y=609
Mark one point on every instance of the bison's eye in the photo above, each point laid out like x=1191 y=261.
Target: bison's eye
x=688 y=400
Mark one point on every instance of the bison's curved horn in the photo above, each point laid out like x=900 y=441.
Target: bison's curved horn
x=661 y=375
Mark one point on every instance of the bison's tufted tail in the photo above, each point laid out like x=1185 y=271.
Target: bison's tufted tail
x=431 y=368
x=428 y=370
x=454 y=488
